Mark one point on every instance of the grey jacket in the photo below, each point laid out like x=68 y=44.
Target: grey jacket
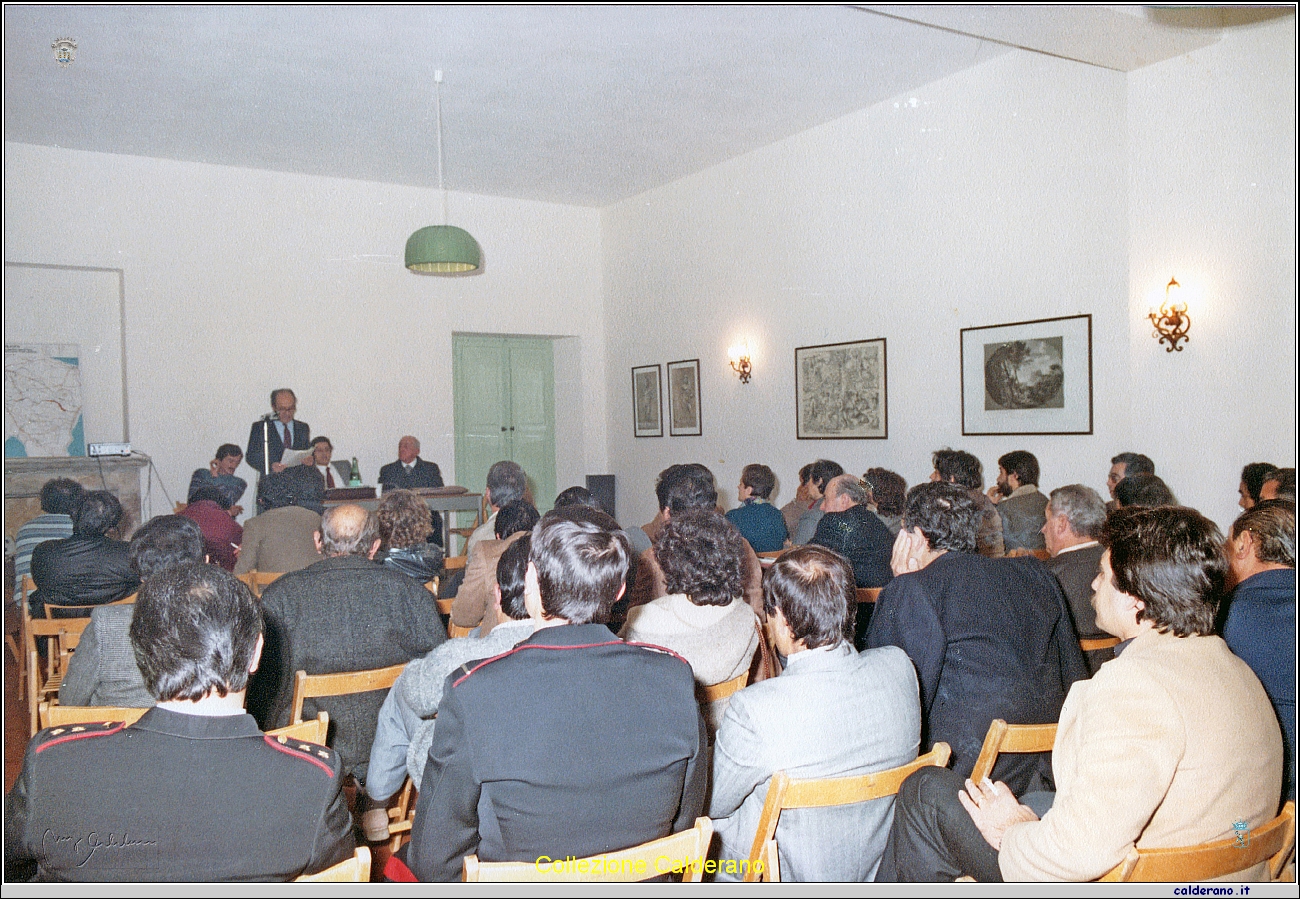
x=103 y=670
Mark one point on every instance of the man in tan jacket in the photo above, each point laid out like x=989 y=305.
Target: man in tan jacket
x=1171 y=743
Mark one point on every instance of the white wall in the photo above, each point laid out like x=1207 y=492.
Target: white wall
x=239 y=281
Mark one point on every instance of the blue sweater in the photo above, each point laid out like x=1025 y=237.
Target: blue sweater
x=761 y=523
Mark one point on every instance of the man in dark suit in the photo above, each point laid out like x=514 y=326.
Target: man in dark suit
x=267 y=439
x=1076 y=517
x=89 y=568
x=571 y=744
x=409 y=471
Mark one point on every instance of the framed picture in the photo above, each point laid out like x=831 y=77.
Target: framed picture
x=684 y=398
x=647 y=402
x=1030 y=377
x=840 y=391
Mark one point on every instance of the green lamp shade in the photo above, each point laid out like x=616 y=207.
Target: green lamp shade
x=442 y=249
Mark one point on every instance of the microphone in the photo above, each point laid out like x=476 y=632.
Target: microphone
x=267 y=417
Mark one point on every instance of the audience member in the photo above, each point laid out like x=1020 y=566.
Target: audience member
x=853 y=531
x=1019 y=502
x=704 y=618
x=821 y=473
x=1143 y=490
x=1122 y=466
x=758 y=521
x=965 y=470
x=1075 y=519
x=407 y=717
x=220 y=473
x=283 y=537
x=1253 y=477
x=1279 y=485
x=103 y=670
x=409 y=472
x=272 y=434
x=831 y=713
x=473 y=600
x=802 y=502
x=580 y=497
x=404 y=528
x=89 y=568
x=621 y=763
x=334 y=474
x=345 y=613
x=209 y=508
x=1172 y=743
x=1260 y=627
x=887 y=495
x=990 y=638
x=193 y=791
x=59 y=499
x=506 y=482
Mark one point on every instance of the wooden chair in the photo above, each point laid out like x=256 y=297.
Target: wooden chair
x=257 y=581
x=54 y=715
x=1273 y=843
x=444 y=606
x=311 y=731
x=455 y=630
x=60 y=633
x=722 y=690
x=774 y=554
x=649 y=860
x=85 y=611
x=868 y=594
x=786 y=792
x=1003 y=737
x=453 y=563
x=402 y=815
x=308 y=686
x=1098 y=643
x=352 y=870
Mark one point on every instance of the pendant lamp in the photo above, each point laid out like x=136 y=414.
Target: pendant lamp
x=442 y=249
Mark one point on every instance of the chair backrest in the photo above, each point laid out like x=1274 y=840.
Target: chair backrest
x=1273 y=843
x=84 y=611
x=456 y=630
x=306 y=686
x=444 y=606
x=54 y=715
x=722 y=690
x=1098 y=643
x=314 y=730
x=257 y=581
x=453 y=563
x=1003 y=737
x=785 y=792
x=868 y=594
x=352 y=870
x=774 y=554
x=676 y=854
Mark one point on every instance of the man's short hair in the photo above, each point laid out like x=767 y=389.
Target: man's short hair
x=511 y=568
x=815 y=591
x=702 y=555
x=1021 y=463
x=210 y=493
x=98 y=512
x=888 y=490
x=194 y=630
x=1285 y=480
x=1146 y=490
x=580 y=568
x=1272 y=522
x=226 y=450
x=1254 y=475
x=1172 y=559
x=822 y=472
x=959 y=467
x=61 y=496
x=279 y=390
x=1082 y=507
x=297 y=485
x=506 y=482
x=684 y=487
x=760 y=479
x=515 y=517
x=948 y=515
x=344 y=533
x=851 y=486
x=403 y=519
x=1134 y=463
x=576 y=496
x=319 y=439
x=164 y=542
x=804 y=473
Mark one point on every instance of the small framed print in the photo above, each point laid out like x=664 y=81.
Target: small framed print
x=647 y=402
x=684 y=398
x=1031 y=377
x=840 y=391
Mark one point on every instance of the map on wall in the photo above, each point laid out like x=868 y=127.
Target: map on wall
x=43 y=400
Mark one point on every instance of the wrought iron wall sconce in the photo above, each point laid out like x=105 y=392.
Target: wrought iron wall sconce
x=1171 y=322
x=740 y=362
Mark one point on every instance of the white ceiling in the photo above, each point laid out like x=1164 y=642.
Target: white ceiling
x=582 y=105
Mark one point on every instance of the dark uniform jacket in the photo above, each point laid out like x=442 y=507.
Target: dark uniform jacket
x=425 y=474
x=175 y=797
x=990 y=638
x=81 y=571
x=572 y=743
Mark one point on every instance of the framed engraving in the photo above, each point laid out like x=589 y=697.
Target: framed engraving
x=684 y=398
x=841 y=391
x=647 y=402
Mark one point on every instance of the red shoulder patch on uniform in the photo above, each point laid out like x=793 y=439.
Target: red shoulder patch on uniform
x=68 y=732
x=274 y=743
x=522 y=647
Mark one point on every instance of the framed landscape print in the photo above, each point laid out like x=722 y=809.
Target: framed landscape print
x=1030 y=377
x=840 y=391
x=647 y=403
x=684 y=398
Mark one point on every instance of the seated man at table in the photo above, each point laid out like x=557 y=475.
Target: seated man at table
x=193 y=791
x=220 y=473
x=89 y=568
x=409 y=472
x=334 y=474
x=1171 y=743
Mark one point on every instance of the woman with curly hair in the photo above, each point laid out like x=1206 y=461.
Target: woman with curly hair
x=404 y=528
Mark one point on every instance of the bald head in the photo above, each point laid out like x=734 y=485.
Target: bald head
x=843 y=492
x=407 y=449
x=348 y=531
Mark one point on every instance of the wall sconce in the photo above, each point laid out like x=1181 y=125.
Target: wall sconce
x=1172 y=321
x=740 y=362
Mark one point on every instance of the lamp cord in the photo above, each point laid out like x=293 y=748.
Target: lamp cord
x=437 y=80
